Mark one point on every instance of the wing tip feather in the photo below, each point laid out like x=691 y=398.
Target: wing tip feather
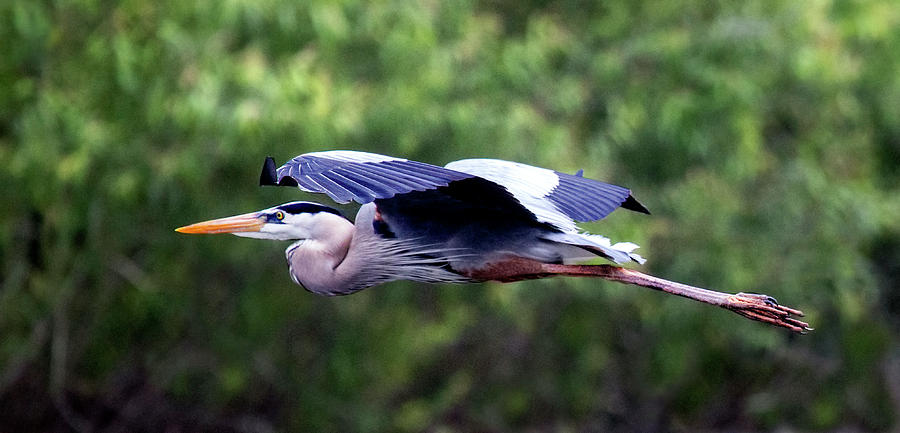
x=268 y=176
x=632 y=204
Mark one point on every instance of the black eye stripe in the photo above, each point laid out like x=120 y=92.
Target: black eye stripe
x=299 y=207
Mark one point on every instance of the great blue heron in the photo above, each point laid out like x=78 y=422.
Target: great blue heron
x=473 y=220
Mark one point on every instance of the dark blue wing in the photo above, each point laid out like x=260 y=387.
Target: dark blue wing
x=584 y=199
x=358 y=176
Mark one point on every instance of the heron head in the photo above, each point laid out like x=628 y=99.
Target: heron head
x=294 y=220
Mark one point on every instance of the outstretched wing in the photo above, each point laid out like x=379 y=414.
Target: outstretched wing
x=553 y=197
x=358 y=176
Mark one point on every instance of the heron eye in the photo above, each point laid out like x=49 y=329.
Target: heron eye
x=279 y=215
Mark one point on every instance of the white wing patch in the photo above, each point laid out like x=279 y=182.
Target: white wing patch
x=528 y=184
x=532 y=186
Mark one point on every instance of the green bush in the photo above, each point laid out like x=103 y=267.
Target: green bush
x=763 y=135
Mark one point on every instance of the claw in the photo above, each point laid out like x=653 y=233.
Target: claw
x=764 y=308
x=771 y=301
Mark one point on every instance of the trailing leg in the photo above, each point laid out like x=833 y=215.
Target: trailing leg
x=757 y=307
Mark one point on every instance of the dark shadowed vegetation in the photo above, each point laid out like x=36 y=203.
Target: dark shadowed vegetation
x=763 y=135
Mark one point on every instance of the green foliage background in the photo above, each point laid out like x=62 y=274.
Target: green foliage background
x=763 y=134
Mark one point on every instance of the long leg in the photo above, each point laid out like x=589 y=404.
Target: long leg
x=753 y=306
x=750 y=305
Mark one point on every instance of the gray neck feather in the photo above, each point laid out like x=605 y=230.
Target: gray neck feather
x=347 y=260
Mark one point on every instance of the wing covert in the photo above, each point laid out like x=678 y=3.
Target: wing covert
x=358 y=176
x=556 y=198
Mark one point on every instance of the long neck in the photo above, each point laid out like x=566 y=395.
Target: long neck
x=321 y=263
x=339 y=258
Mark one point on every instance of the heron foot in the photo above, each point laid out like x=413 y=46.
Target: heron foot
x=766 y=309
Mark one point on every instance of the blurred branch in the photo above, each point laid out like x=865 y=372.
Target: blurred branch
x=891 y=367
x=13 y=284
x=32 y=348
x=59 y=351
x=130 y=271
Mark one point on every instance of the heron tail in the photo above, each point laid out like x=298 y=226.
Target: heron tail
x=621 y=252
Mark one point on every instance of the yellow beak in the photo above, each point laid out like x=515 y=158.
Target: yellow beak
x=249 y=222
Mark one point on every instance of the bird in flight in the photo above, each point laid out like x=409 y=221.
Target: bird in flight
x=472 y=220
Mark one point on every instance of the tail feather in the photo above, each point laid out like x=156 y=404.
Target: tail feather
x=621 y=252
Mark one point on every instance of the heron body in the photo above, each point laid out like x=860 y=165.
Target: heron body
x=472 y=220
